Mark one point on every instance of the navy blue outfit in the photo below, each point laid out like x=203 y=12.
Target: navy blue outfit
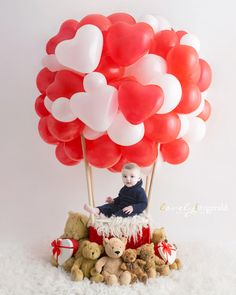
x=128 y=196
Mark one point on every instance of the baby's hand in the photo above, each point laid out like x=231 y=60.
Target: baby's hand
x=109 y=200
x=128 y=209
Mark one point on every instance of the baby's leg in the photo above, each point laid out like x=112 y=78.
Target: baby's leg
x=91 y=210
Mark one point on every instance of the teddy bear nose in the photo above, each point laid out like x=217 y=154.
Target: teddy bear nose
x=117 y=252
x=92 y=253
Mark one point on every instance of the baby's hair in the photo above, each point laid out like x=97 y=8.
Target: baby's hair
x=130 y=166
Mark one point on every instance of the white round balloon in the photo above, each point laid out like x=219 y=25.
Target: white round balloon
x=190 y=40
x=151 y=20
x=48 y=104
x=61 y=110
x=91 y=134
x=172 y=91
x=124 y=133
x=163 y=24
x=184 y=121
x=147 y=68
x=93 y=81
x=197 y=130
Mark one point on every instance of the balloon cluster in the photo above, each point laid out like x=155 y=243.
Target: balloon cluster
x=132 y=88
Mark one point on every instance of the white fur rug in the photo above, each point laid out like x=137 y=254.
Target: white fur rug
x=208 y=269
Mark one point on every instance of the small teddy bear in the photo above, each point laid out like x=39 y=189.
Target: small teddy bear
x=75 y=228
x=158 y=236
x=109 y=266
x=85 y=260
x=146 y=253
x=134 y=266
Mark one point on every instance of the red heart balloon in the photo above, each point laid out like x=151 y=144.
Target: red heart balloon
x=65 y=84
x=98 y=20
x=175 y=152
x=138 y=102
x=121 y=17
x=126 y=43
x=40 y=107
x=67 y=31
x=44 y=132
x=44 y=79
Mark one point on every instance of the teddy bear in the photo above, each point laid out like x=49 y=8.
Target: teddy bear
x=109 y=266
x=133 y=265
x=158 y=236
x=146 y=252
x=75 y=228
x=85 y=260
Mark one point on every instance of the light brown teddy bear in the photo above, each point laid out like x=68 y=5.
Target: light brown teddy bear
x=85 y=260
x=134 y=266
x=146 y=253
x=75 y=228
x=158 y=236
x=109 y=266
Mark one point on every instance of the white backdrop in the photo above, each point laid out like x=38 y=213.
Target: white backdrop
x=37 y=191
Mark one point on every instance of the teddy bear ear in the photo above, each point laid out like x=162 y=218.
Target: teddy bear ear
x=105 y=241
x=124 y=240
x=101 y=248
x=138 y=250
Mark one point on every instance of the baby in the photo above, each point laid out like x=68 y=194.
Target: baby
x=132 y=199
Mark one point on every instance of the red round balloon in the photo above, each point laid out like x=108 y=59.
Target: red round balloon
x=65 y=84
x=205 y=76
x=138 y=102
x=127 y=43
x=102 y=152
x=143 y=153
x=67 y=31
x=73 y=149
x=65 y=131
x=175 y=152
x=190 y=100
x=62 y=157
x=162 y=127
x=121 y=17
x=98 y=20
x=163 y=42
x=119 y=165
x=44 y=79
x=183 y=62
x=109 y=68
x=45 y=134
x=40 y=107
x=205 y=114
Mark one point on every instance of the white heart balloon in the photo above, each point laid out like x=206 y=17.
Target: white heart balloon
x=172 y=91
x=146 y=68
x=61 y=110
x=83 y=52
x=124 y=133
x=197 y=130
x=50 y=61
x=96 y=109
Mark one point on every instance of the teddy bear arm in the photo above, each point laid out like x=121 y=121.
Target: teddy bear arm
x=123 y=266
x=100 y=263
x=141 y=262
x=78 y=262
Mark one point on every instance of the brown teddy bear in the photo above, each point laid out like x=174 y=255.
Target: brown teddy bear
x=134 y=266
x=158 y=236
x=85 y=260
x=109 y=266
x=75 y=228
x=146 y=253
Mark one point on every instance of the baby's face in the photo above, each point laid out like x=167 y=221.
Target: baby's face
x=130 y=176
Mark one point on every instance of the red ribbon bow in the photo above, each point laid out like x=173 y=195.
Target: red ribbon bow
x=56 y=247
